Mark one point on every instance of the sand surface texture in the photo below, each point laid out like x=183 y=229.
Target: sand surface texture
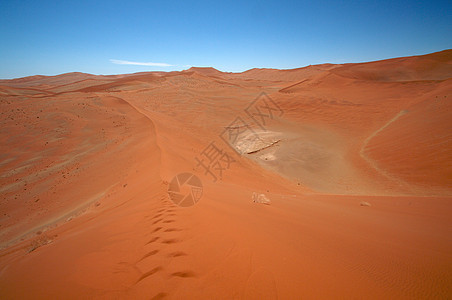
x=355 y=161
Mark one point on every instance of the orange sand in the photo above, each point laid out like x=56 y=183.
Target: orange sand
x=85 y=163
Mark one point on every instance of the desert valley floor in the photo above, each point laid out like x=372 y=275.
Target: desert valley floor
x=356 y=160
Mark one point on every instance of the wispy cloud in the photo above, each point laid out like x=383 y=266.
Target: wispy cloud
x=136 y=63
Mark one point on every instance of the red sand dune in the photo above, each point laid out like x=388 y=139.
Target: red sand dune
x=356 y=161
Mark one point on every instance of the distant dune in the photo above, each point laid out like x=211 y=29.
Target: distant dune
x=355 y=161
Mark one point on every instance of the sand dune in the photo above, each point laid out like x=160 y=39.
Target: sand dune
x=435 y=66
x=286 y=75
x=356 y=160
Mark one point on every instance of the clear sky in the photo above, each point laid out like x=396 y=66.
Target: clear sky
x=105 y=37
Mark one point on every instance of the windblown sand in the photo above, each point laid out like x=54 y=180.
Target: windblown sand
x=356 y=160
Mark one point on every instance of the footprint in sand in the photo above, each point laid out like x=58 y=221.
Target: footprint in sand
x=159 y=296
x=177 y=254
x=172 y=230
x=156 y=221
x=153 y=240
x=156 y=216
x=152 y=253
x=184 y=274
x=147 y=274
x=170 y=241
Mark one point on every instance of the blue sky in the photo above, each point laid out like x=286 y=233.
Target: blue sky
x=54 y=37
